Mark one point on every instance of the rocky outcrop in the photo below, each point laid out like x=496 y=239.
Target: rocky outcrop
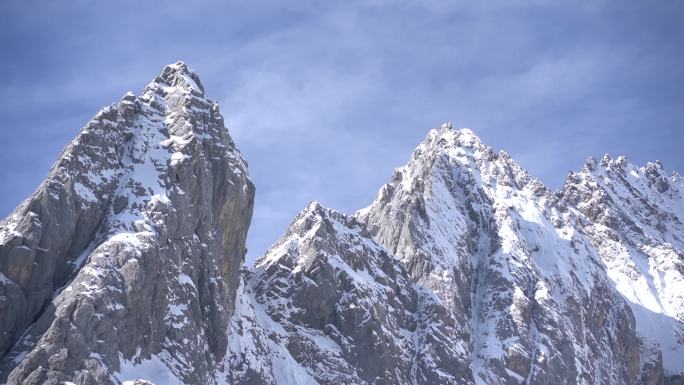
x=328 y=305
x=127 y=257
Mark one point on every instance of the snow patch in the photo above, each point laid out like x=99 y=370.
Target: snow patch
x=84 y=192
x=151 y=369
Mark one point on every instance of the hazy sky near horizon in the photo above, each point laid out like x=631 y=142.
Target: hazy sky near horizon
x=325 y=99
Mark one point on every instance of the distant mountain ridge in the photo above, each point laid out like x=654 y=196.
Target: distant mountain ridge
x=127 y=266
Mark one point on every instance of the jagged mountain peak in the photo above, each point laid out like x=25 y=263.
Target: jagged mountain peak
x=473 y=227
x=313 y=214
x=621 y=171
x=180 y=75
x=140 y=230
x=635 y=219
x=608 y=161
x=465 y=136
x=337 y=307
x=622 y=163
x=458 y=157
x=315 y=208
x=127 y=265
x=315 y=223
x=447 y=136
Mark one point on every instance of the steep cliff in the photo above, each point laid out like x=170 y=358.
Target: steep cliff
x=126 y=259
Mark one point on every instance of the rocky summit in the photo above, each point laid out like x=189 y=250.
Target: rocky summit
x=126 y=259
x=126 y=266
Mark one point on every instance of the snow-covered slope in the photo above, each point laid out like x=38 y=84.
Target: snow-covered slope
x=634 y=216
x=126 y=267
x=509 y=262
x=124 y=263
x=464 y=270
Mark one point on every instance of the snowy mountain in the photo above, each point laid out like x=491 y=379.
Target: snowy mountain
x=329 y=305
x=509 y=258
x=124 y=263
x=633 y=216
x=127 y=266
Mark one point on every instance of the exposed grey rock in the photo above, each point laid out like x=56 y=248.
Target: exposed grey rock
x=129 y=252
x=328 y=305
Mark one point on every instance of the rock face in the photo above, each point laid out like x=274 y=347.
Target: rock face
x=126 y=267
x=466 y=270
x=127 y=257
x=328 y=305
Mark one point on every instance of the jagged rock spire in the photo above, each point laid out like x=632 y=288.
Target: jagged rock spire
x=129 y=253
x=180 y=75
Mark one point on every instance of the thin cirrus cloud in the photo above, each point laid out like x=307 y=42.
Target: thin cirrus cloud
x=325 y=99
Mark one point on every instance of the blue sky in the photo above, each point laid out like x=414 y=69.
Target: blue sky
x=325 y=99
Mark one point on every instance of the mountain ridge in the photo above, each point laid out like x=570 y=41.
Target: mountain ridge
x=465 y=269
